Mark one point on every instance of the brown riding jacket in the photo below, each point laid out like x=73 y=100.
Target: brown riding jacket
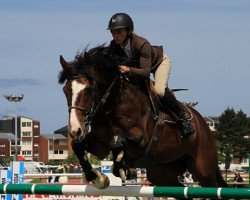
x=145 y=57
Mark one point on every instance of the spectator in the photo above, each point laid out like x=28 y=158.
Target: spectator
x=238 y=179
x=71 y=168
x=51 y=178
x=59 y=170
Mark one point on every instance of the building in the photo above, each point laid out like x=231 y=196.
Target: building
x=64 y=132
x=211 y=121
x=7 y=142
x=31 y=145
x=28 y=133
x=53 y=147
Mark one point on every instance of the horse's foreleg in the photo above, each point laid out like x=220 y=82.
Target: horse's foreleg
x=89 y=174
x=119 y=168
x=116 y=146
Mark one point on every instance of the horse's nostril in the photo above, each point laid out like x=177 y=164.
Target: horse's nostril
x=78 y=133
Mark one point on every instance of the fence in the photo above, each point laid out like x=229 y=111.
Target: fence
x=138 y=191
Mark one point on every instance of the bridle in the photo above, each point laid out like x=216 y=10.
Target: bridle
x=95 y=106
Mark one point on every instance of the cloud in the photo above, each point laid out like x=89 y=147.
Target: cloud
x=8 y=83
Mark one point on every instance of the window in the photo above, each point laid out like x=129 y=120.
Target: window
x=58 y=152
x=26 y=134
x=13 y=142
x=26 y=124
x=26 y=152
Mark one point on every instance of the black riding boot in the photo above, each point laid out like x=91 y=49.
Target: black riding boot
x=169 y=102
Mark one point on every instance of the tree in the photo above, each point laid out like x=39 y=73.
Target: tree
x=231 y=131
x=71 y=159
x=242 y=142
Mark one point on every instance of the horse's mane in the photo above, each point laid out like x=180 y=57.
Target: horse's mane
x=95 y=57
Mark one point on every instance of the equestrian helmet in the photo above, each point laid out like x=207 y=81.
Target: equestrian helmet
x=121 y=20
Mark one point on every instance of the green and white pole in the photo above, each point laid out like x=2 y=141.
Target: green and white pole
x=137 y=191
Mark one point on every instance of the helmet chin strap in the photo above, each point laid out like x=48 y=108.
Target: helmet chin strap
x=127 y=38
x=125 y=42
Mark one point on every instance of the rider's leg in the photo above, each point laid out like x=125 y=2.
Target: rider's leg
x=169 y=102
x=162 y=75
x=167 y=98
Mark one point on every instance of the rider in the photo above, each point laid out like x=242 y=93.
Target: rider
x=150 y=59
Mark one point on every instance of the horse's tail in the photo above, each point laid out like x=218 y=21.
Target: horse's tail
x=221 y=182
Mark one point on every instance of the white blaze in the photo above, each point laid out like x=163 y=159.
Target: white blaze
x=76 y=89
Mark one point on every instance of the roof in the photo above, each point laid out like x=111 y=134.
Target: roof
x=65 y=128
x=211 y=119
x=11 y=117
x=10 y=136
x=208 y=119
x=54 y=136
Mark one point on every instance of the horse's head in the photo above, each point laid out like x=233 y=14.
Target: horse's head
x=86 y=77
x=78 y=92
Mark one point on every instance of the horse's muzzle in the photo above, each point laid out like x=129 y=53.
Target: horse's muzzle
x=77 y=135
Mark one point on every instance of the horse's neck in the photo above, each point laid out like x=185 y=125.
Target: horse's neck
x=108 y=96
x=133 y=94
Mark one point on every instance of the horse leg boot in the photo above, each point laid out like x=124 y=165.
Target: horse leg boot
x=119 y=168
x=169 y=102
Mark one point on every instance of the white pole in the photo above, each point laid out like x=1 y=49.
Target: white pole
x=15 y=156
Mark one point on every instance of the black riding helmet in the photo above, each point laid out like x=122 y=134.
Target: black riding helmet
x=121 y=20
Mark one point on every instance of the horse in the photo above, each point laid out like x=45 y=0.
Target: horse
x=107 y=113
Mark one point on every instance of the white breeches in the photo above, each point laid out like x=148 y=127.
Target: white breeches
x=162 y=75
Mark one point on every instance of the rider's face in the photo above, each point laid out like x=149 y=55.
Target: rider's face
x=119 y=35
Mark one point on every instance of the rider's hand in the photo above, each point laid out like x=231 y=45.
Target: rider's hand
x=124 y=69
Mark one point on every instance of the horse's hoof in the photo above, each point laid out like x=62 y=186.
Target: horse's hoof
x=102 y=183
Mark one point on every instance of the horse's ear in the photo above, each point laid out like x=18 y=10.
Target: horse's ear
x=63 y=62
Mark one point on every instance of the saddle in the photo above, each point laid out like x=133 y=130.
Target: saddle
x=162 y=116
x=157 y=107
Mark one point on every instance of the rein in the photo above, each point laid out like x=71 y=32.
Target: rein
x=89 y=115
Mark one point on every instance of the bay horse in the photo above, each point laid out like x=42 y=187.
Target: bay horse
x=109 y=114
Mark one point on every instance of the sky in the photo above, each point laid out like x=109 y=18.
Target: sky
x=208 y=42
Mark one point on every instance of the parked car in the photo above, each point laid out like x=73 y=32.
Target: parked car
x=34 y=167
x=53 y=168
x=77 y=170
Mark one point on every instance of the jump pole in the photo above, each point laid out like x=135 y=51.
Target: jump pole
x=137 y=191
